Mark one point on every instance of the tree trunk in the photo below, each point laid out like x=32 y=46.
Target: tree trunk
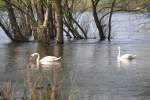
x=41 y=30
x=109 y=24
x=14 y=25
x=70 y=22
x=6 y=31
x=40 y=12
x=59 y=22
x=97 y=22
x=51 y=28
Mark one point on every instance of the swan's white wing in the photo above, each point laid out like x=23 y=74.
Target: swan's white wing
x=125 y=56
x=48 y=58
x=128 y=56
x=49 y=63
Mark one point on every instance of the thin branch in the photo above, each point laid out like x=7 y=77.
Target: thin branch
x=19 y=9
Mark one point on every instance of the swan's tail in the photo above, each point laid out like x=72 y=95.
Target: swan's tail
x=134 y=56
x=57 y=58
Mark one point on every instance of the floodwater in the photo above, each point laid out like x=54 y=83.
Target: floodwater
x=91 y=64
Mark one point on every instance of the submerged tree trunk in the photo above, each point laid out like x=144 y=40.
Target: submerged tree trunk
x=71 y=23
x=13 y=23
x=51 y=28
x=59 y=22
x=6 y=31
x=41 y=31
x=46 y=25
x=40 y=12
x=110 y=17
x=97 y=22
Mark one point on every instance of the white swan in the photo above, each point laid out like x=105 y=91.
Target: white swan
x=124 y=57
x=45 y=60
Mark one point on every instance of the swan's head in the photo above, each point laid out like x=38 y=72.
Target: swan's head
x=34 y=54
x=119 y=48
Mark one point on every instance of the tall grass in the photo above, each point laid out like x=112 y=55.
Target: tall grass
x=41 y=84
x=7 y=91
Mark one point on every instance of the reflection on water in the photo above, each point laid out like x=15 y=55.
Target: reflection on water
x=44 y=83
x=126 y=63
x=98 y=75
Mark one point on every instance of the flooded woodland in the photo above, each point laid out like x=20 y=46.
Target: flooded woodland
x=88 y=69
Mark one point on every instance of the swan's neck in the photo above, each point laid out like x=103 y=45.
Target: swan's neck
x=38 y=60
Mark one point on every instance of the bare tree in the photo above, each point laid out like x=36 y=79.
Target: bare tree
x=96 y=19
x=59 y=22
x=70 y=21
x=110 y=16
x=15 y=29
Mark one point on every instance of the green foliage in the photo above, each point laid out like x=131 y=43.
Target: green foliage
x=82 y=5
x=1 y=4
